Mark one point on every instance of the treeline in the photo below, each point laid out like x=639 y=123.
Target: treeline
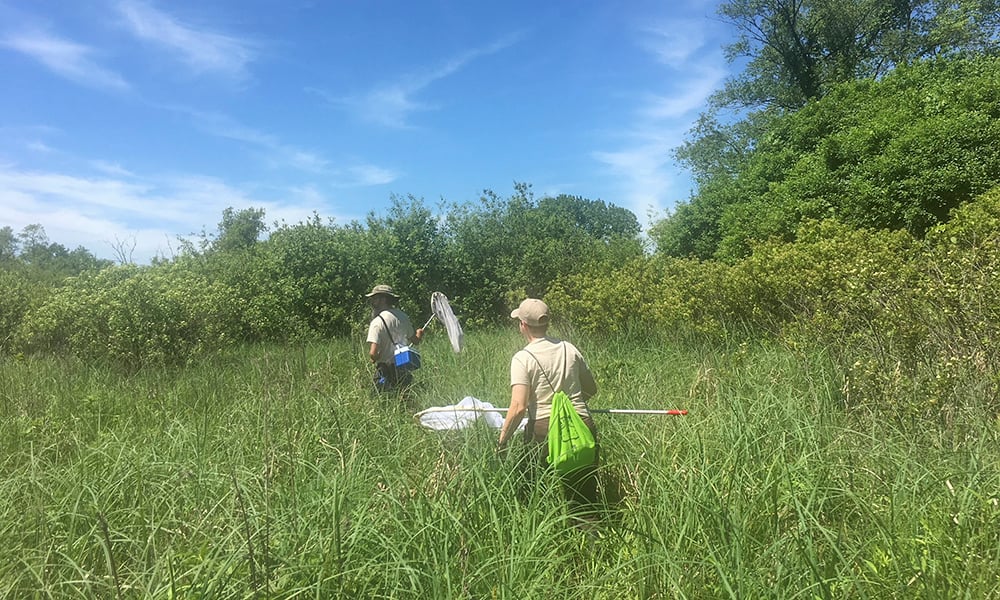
x=865 y=224
x=913 y=325
x=911 y=322
x=248 y=282
x=896 y=153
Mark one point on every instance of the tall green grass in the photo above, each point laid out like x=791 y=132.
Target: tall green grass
x=274 y=472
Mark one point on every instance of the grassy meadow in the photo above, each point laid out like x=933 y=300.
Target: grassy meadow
x=274 y=472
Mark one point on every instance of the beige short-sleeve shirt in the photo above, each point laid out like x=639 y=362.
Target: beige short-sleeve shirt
x=397 y=328
x=562 y=365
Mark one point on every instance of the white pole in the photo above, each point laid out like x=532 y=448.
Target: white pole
x=603 y=411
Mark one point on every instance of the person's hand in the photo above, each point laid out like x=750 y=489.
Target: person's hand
x=419 y=334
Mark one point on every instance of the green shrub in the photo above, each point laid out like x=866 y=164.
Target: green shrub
x=651 y=293
x=136 y=315
x=19 y=295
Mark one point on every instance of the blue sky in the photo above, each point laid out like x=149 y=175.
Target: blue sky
x=129 y=122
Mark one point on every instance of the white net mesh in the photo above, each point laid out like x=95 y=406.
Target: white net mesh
x=466 y=413
x=442 y=311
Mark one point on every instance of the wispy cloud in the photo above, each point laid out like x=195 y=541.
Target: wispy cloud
x=643 y=161
x=391 y=104
x=366 y=175
x=95 y=212
x=65 y=58
x=278 y=154
x=111 y=168
x=203 y=50
x=642 y=166
x=685 y=98
x=39 y=146
x=673 y=43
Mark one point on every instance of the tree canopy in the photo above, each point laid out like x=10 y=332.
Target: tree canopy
x=865 y=147
x=798 y=50
x=896 y=153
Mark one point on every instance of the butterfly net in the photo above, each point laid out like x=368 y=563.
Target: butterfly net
x=443 y=313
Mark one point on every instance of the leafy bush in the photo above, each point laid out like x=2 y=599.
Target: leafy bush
x=962 y=266
x=668 y=295
x=504 y=249
x=910 y=325
x=900 y=152
x=20 y=294
x=137 y=315
x=321 y=273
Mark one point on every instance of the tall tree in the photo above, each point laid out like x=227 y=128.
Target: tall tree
x=900 y=152
x=239 y=229
x=8 y=245
x=798 y=49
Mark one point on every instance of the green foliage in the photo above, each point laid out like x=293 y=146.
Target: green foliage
x=250 y=275
x=135 y=316
x=962 y=267
x=674 y=296
x=406 y=249
x=31 y=253
x=239 y=229
x=8 y=246
x=321 y=272
x=271 y=472
x=910 y=325
x=504 y=249
x=897 y=153
x=30 y=268
x=799 y=50
x=19 y=296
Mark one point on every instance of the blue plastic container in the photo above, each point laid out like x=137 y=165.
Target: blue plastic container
x=407 y=358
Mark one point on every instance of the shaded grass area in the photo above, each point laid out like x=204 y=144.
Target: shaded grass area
x=275 y=473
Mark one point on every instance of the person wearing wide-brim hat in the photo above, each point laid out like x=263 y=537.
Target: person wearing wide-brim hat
x=389 y=327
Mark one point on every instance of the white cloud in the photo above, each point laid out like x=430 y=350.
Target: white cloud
x=39 y=146
x=673 y=43
x=643 y=162
x=686 y=98
x=203 y=50
x=66 y=59
x=278 y=154
x=366 y=175
x=111 y=168
x=392 y=104
x=97 y=212
x=648 y=183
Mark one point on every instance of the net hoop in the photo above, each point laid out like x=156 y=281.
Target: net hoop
x=441 y=309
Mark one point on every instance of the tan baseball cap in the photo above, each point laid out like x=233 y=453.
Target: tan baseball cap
x=382 y=289
x=532 y=311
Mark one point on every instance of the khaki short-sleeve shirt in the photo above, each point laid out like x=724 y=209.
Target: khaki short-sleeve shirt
x=397 y=328
x=562 y=365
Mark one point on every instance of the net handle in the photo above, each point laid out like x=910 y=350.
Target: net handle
x=600 y=411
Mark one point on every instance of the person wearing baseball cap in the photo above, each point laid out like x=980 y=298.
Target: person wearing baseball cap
x=389 y=326
x=546 y=365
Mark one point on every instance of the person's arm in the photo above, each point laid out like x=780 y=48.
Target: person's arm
x=417 y=337
x=588 y=384
x=373 y=352
x=518 y=406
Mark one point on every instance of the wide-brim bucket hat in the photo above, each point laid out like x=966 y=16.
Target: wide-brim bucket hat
x=383 y=290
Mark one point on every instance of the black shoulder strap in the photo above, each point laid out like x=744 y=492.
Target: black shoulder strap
x=388 y=331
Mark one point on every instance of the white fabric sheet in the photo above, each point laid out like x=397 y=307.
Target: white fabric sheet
x=464 y=414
